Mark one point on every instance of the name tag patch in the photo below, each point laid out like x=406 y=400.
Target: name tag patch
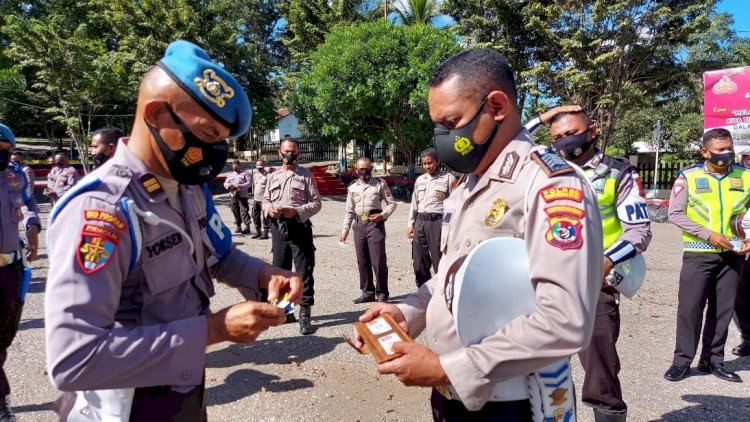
x=164 y=244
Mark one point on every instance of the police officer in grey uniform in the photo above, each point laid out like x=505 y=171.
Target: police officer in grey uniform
x=20 y=158
x=104 y=144
x=239 y=183
x=291 y=199
x=260 y=180
x=61 y=178
x=114 y=318
x=364 y=208
x=16 y=206
x=472 y=100
x=426 y=215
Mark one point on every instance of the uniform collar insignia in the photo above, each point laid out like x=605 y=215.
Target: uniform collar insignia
x=509 y=165
x=151 y=184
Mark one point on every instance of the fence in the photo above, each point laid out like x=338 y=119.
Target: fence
x=310 y=149
x=667 y=174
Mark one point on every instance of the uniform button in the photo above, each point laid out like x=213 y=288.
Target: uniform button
x=186 y=375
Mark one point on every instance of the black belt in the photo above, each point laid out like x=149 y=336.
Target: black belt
x=429 y=216
x=10 y=258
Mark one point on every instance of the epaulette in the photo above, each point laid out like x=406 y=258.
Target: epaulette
x=551 y=162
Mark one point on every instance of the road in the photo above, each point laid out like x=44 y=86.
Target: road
x=328 y=381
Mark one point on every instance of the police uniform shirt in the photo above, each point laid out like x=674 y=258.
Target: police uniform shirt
x=363 y=197
x=243 y=180
x=429 y=193
x=126 y=302
x=630 y=205
x=558 y=217
x=13 y=208
x=292 y=189
x=260 y=181
x=61 y=179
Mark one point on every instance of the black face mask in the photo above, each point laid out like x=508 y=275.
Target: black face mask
x=289 y=158
x=99 y=158
x=59 y=163
x=457 y=149
x=364 y=174
x=573 y=146
x=236 y=170
x=4 y=159
x=196 y=162
x=722 y=160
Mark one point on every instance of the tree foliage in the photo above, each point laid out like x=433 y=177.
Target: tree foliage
x=412 y=12
x=368 y=82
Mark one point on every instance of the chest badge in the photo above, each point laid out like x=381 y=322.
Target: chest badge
x=735 y=183
x=496 y=212
x=701 y=185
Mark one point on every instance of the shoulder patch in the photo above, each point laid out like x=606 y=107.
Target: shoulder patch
x=105 y=216
x=96 y=248
x=560 y=193
x=565 y=229
x=551 y=162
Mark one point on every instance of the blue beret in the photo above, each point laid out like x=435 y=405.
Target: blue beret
x=7 y=135
x=209 y=84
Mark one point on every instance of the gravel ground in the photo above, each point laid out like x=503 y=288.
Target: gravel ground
x=330 y=382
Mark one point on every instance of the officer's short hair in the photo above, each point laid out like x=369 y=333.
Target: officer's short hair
x=429 y=152
x=481 y=70
x=289 y=139
x=109 y=134
x=19 y=153
x=236 y=161
x=363 y=158
x=714 y=134
x=561 y=115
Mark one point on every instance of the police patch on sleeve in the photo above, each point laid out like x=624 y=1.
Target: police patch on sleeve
x=96 y=247
x=565 y=230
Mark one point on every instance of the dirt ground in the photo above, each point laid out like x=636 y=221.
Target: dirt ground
x=328 y=381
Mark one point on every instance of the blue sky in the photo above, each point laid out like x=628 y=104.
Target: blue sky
x=741 y=12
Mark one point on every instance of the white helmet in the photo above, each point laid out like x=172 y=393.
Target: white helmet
x=490 y=288
x=628 y=276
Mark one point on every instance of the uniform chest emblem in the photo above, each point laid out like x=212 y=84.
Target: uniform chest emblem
x=496 y=212
x=735 y=183
x=701 y=185
x=565 y=228
x=438 y=194
x=96 y=248
x=598 y=185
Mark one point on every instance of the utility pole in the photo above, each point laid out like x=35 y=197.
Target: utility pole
x=385 y=10
x=657 y=138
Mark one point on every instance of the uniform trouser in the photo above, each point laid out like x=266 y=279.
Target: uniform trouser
x=10 y=314
x=292 y=242
x=369 y=242
x=240 y=211
x=742 y=305
x=258 y=216
x=444 y=410
x=425 y=248
x=710 y=278
x=601 y=386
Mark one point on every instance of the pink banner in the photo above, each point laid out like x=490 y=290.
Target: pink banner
x=726 y=102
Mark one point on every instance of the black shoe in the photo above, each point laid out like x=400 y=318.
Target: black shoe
x=677 y=373
x=305 y=327
x=6 y=414
x=365 y=298
x=382 y=298
x=601 y=415
x=246 y=231
x=718 y=370
x=238 y=230
x=265 y=236
x=290 y=319
x=743 y=349
x=255 y=236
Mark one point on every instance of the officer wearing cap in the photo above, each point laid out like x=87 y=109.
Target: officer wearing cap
x=104 y=144
x=704 y=199
x=61 y=178
x=16 y=206
x=627 y=231
x=238 y=183
x=426 y=215
x=290 y=200
x=115 y=320
x=511 y=188
x=260 y=180
x=364 y=208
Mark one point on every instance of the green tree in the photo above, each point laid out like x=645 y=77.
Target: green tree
x=412 y=12
x=368 y=82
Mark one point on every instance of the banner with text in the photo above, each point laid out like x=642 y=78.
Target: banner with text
x=726 y=104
